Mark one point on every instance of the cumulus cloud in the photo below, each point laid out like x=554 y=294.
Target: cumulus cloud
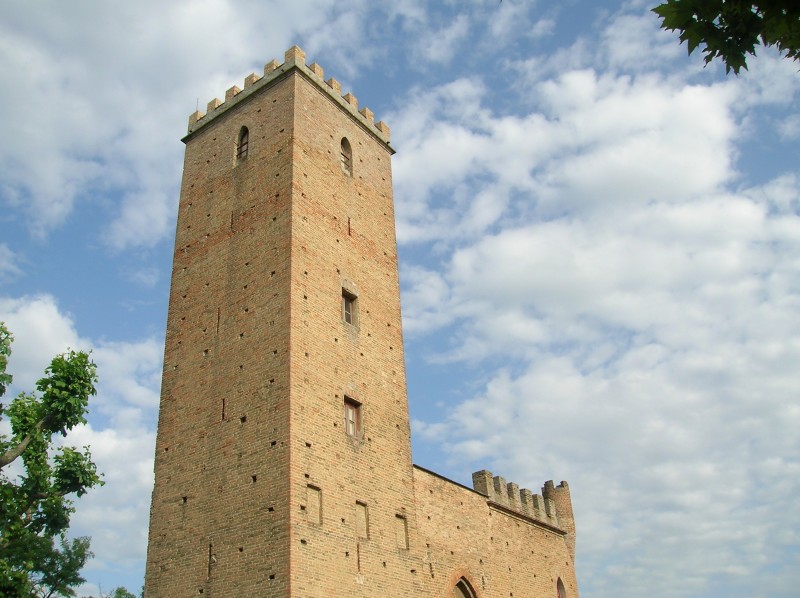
x=438 y=46
x=40 y=331
x=99 y=106
x=121 y=428
x=641 y=296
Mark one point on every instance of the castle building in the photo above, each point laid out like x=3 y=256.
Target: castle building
x=283 y=458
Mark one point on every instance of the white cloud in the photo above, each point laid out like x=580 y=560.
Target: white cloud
x=439 y=46
x=790 y=128
x=131 y=373
x=100 y=104
x=40 y=332
x=601 y=142
x=9 y=263
x=116 y=514
x=146 y=277
x=634 y=42
x=426 y=295
x=643 y=302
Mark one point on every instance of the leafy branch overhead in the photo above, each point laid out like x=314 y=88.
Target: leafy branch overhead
x=34 y=506
x=731 y=29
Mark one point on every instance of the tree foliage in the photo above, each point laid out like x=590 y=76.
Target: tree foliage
x=731 y=29
x=36 y=559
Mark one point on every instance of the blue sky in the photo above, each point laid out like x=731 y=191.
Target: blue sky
x=599 y=254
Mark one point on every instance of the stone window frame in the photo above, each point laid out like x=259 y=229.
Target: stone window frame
x=561 y=591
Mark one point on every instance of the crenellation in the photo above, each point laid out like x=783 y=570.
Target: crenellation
x=546 y=507
x=513 y=496
x=368 y=114
x=294 y=58
x=317 y=70
x=250 y=80
x=538 y=507
x=351 y=99
x=550 y=509
x=482 y=482
x=194 y=117
x=271 y=66
x=383 y=128
x=500 y=494
x=526 y=500
x=334 y=85
x=231 y=92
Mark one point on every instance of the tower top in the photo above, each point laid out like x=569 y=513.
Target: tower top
x=294 y=60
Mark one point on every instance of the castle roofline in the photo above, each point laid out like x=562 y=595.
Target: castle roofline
x=533 y=509
x=294 y=61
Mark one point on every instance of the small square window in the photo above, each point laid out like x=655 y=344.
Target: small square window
x=352 y=417
x=349 y=308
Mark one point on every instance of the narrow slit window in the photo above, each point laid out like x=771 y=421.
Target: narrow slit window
x=349 y=308
x=347 y=157
x=243 y=143
x=362 y=520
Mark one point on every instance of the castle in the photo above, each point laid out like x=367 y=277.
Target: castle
x=283 y=458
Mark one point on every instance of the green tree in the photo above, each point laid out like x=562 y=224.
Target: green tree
x=731 y=29
x=121 y=592
x=35 y=507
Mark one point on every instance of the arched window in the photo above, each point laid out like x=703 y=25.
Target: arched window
x=347 y=157
x=242 y=143
x=463 y=590
x=562 y=591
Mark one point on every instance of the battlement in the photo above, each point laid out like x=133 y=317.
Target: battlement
x=542 y=507
x=294 y=59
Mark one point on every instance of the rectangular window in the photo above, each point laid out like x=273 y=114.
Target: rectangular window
x=362 y=520
x=314 y=504
x=349 y=305
x=352 y=417
x=241 y=147
x=401 y=531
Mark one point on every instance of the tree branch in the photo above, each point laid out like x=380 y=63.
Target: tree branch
x=11 y=454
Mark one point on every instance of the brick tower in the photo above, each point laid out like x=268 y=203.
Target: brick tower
x=283 y=396
x=283 y=457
